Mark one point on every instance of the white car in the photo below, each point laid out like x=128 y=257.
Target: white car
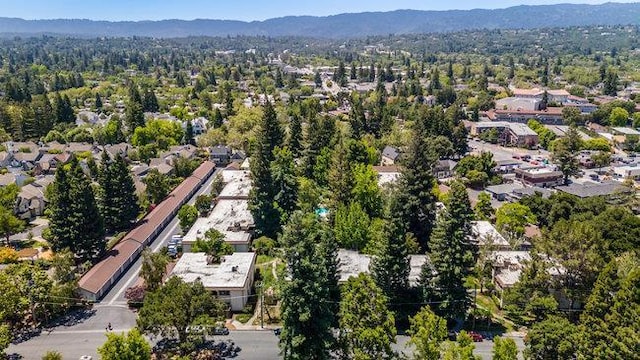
x=86 y=357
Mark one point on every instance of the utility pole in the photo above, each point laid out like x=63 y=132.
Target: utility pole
x=261 y=286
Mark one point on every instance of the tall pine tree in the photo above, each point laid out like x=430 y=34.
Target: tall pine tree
x=416 y=202
x=451 y=255
x=118 y=202
x=261 y=198
x=295 y=134
x=59 y=195
x=310 y=298
x=390 y=265
x=86 y=223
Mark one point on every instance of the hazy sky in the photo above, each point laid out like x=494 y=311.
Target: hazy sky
x=235 y=9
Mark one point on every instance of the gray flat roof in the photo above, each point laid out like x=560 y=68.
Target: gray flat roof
x=232 y=272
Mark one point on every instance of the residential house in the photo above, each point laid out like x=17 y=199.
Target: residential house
x=444 y=169
x=504 y=192
x=30 y=202
x=486 y=235
x=7 y=179
x=199 y=125
x=627 y=172
x=220 y=155
x=507 y=267
x=387 y=174
x=230 y=280
x=25 y=160
x=620 y=134
x=390 y=155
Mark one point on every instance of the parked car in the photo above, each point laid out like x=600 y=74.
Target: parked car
x=218 y=330
x=86 y=357
x=277 y=331
x=172 y=250
x=475 y=336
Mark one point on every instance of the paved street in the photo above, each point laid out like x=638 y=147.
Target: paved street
x=256 y=345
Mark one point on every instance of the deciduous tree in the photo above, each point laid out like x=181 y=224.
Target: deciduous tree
x=367 y=326
x=125 y=346
x=427 y=331
x=175 y=306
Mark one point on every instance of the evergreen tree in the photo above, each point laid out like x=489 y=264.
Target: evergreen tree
x=285 y=182
x=320 y=135
x=218 y=120
x=340 y=177
x=87 y=227
x=309 y=298
x=357 y=118
x=44 y=116
x=98 y=102
x=59 y=195
x=390 y=264
x=608 y=326
x=188 y=134
x=416 y=202
x=63 y=109
x=611 y=83
x=261 y=197
x=295 y=134
x=451 y=255
x=134 y=115
x=150 y=101
x=118 y=202
x=367 y=326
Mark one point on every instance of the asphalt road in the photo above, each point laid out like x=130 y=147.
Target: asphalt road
x=256 y=345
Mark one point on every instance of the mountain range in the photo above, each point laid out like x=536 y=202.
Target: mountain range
x=344 y=25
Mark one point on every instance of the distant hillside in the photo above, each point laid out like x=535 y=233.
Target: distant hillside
x=346 y=25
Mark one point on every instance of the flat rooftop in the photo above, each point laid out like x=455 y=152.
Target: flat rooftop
x=237 y=184
x=353 y=263
x=232 y=272
x=231 y=217
x=486 y=234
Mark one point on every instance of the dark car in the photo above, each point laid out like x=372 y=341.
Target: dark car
x=277 y=331
x=220 y=331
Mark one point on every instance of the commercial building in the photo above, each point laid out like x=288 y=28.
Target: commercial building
x=627 y=172
x=230 y=280
x=550 y=115
x=540 y=176
x=515 y=134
